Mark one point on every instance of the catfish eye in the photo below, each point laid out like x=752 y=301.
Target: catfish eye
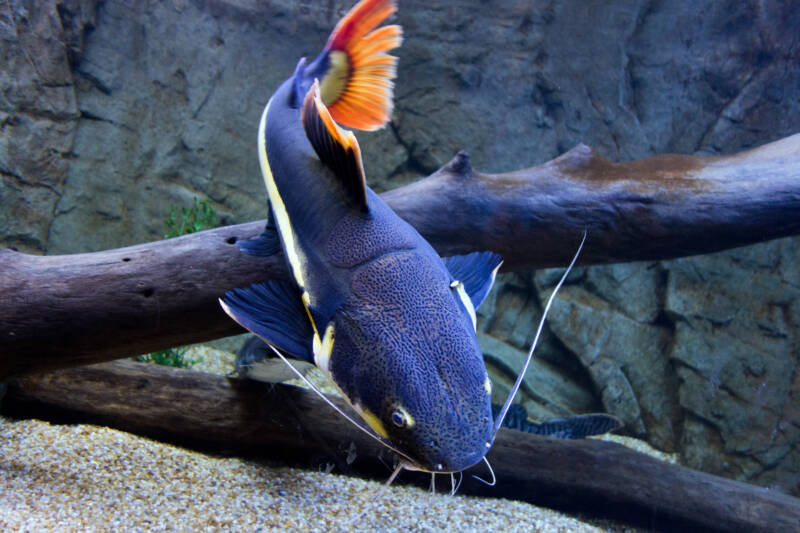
x=398 y=419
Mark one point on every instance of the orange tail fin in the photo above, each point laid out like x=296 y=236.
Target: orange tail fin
x=358 y=85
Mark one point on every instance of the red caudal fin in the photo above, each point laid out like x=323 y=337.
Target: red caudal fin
x=357 y=88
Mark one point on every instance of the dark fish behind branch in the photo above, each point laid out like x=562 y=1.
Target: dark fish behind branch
x=572 y=427
x=255 y=360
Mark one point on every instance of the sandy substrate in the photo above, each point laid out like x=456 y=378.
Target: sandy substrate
x=88 y=478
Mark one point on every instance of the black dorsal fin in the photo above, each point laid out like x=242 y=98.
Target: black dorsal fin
x=337 y=148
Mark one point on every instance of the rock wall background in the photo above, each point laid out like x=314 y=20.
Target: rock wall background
x=112 y=111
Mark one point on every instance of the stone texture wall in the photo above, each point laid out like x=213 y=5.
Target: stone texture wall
x=112 y=111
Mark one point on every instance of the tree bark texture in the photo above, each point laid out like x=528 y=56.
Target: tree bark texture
x=290 y=424
x=61 y=311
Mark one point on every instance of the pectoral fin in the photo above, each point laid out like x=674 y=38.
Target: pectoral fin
x=274 y=312
x=476 y=271
x=337 y=148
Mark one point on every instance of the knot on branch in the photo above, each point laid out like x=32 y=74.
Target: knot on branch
x=459 y=166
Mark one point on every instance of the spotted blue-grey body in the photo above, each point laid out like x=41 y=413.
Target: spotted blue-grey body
x=370 y=302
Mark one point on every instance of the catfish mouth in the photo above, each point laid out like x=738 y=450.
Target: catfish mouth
x=440 y=468
x=451 y=465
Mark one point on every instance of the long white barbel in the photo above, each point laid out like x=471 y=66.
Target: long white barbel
x=502 y=414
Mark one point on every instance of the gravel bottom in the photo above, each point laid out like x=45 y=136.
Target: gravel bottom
x=89 y=478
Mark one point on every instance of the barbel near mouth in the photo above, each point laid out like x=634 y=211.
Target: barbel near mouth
x=406 y=462
x=358 y=271
x=504 y=411
x=405 y=459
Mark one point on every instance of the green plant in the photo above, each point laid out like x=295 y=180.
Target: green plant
x=198 y=217
x=175 y=357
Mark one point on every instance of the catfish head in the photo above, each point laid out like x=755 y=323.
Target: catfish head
x=407 y=359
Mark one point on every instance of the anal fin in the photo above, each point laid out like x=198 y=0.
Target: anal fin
x=336 y=148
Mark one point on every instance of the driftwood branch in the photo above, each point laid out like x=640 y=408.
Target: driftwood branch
x=655 y=208
x=291 y=424
x=59 y=311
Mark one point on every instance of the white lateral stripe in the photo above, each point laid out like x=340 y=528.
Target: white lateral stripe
x=276 y=202
x=467 y=303
x=322 y=358
x=282 y=217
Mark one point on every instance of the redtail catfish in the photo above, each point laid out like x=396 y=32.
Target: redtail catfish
x=370 y=302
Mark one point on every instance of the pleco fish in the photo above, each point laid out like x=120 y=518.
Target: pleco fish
x=370 y=302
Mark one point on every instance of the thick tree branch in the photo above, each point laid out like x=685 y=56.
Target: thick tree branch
x=283 y=422
x=654 y=208
x=60 y=311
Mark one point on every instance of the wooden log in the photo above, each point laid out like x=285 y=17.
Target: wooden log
x=61 y=311
x=655 y=208
x=290 y=424
x=58 y=311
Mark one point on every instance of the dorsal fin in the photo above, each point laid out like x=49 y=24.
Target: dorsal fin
x=358 y=83
x=337 y=148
